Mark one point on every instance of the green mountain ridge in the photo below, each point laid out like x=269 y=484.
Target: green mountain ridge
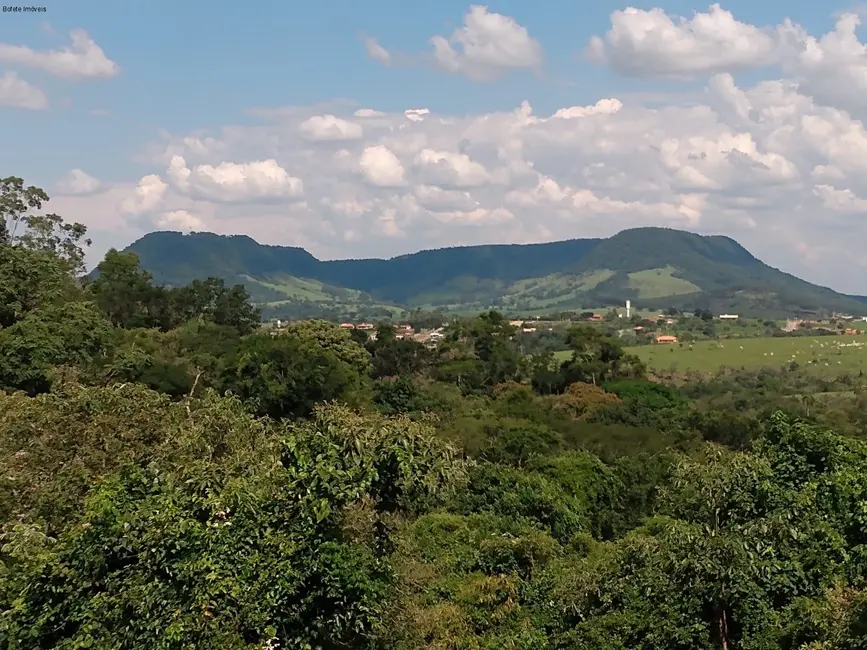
x=652 y=267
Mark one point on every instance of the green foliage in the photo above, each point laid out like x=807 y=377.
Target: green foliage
x=31 y=279
x=335 y=340
x=839 y=620
x=212 y=301
x=46 y=233
x=57 y=335
x=515 y=442
x=287 y=375
x=524 y=496
x=461 y=584
x=126 y=293
x=231 y=535
x=392 y=357
x=397 y=395
x=56 y=447
x=172 y=476
x=146 y=357
x=596 y=358
x=742 y=542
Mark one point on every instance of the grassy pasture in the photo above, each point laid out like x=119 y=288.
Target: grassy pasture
x=830 y=355
x=658 y=283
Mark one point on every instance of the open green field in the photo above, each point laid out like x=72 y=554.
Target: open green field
x=830 y=355
x=658 y=283
x=824 y=354
x=283 y=290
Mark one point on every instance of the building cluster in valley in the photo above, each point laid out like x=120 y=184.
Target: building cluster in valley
x=401 y=331
x=651 y=325
x=836 y=324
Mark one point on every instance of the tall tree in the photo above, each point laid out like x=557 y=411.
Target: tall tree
x=124 y=291
x=31 y=280
x=492 y=340
x=212 y=300
x=597 y=358
x=288 y=374
x=43 y=232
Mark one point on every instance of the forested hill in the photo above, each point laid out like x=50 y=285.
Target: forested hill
x=653 y=267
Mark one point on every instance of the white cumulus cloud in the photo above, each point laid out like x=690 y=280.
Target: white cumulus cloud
x=148 y=194
x=177 y=220
x=82 y=59
x=381 y=167
x=236 y=182
x=833 y=67
x=651 y=43
x=329 y=128
x=78 y=182
x=841 y=200
x=17 y=93
x=487 y=46
x=450 y=169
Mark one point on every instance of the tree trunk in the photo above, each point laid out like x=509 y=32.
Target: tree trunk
x=723 y=625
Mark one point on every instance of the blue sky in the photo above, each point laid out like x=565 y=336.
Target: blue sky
x=199 y=70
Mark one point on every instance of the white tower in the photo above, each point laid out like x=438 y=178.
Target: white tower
x=628 y=309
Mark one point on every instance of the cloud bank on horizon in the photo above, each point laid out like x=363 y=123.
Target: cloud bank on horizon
x=717 y=125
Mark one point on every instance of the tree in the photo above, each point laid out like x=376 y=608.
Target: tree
x=514 y=442
x=392 y=357
x=581 y=399
x=68 y=334
x=335 y=340
x=125 y=292
x=544 y=373
x=492 y=340
x=211 y=300
x=30 y=280
x=596 y=358
x=18 y=226
x=741 y=545
x=225 y=532
x=286 y=375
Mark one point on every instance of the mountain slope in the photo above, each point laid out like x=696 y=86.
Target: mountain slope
x=653 y=267
x=729 y=277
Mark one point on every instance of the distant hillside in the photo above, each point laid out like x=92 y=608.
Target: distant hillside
x=652 y=267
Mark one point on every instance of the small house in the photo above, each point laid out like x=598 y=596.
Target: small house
x=666 y=339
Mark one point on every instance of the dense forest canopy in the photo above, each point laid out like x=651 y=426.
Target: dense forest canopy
x=173 y=475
